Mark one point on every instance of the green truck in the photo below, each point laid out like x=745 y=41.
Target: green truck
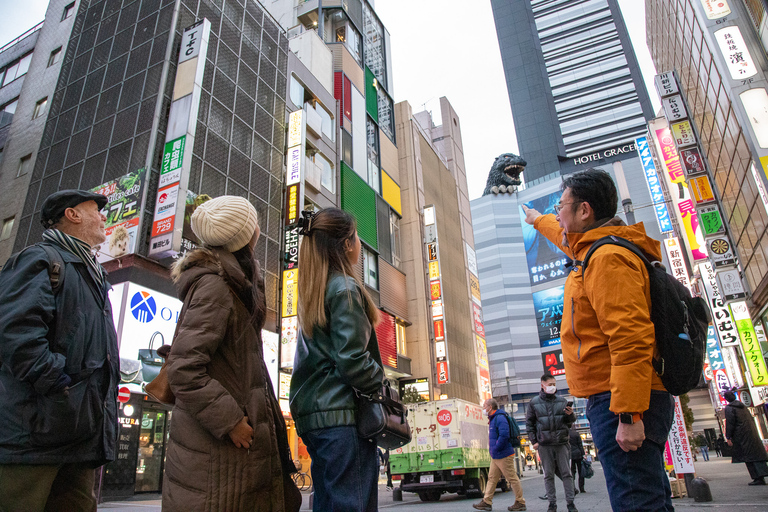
x=448 y=451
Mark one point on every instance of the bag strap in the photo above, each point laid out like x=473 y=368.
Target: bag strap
x=383 y=398
x=152 y=339
x=612 y=240
x=55 y=264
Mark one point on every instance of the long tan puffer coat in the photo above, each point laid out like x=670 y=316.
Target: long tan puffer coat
x=217 y=372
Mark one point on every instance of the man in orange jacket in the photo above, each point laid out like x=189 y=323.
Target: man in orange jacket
x=608 y=340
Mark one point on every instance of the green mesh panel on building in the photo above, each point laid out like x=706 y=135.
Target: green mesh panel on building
x=371 y=96
x=359 y=199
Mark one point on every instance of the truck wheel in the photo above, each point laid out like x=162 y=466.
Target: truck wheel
x=430 y=495
x=482 y=480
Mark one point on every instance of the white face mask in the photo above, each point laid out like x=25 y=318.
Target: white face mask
x=550 y=390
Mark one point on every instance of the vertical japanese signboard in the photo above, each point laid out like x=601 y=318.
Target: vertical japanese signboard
x=170 y=204
x=676 y=261
x=753 y=355
x=435 y=299
x=678 y=449
x=683 y=203
x=735 y=53
x=654 y=185
x=294 y=203
x=720 y=377
x=481 y=349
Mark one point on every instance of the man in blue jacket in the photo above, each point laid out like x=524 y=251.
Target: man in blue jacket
x=59 y=363
x=502 y=458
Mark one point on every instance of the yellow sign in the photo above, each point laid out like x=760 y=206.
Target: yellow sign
x=294 y=128
x=474 y=285
x=290 y=292
x=482 y=352
x=434 y=270
x=702 y=190
x=753 y=355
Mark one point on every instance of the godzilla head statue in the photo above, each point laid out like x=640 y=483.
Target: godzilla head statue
x=505 y=171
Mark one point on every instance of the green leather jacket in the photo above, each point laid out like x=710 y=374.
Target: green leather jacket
x=335 y=361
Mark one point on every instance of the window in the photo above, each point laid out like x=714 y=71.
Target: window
x=400 y=333
x=40 y=108
x=329 y=128
x=55 y=57
x=338 y=29
x=394 y=233
x=7 y=228
x=297 y=92
x=24 y=165
x=328 y=179
x=371 y=268
x=7 y=111
x=17 y=69
x=372 y=136
x=68 y=11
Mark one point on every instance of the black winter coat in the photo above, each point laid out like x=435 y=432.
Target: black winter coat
x=42 y=336
x=740 y=428
x=577 y=445
x=546 y=420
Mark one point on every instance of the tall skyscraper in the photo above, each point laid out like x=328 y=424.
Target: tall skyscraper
x=575 y=88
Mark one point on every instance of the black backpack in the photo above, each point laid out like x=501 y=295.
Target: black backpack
x=514 y=432
x=55 y=264
x=680 y=322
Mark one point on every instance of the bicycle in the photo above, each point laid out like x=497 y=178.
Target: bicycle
x=302 y=480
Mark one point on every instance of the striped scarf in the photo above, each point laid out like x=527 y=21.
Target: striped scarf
x=79 y=249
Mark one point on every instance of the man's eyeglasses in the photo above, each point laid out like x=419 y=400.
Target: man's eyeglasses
x=559 y=207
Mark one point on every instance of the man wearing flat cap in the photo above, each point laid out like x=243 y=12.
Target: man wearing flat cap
x=59 y=364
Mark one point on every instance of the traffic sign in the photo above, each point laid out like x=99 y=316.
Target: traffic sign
x=123 y=394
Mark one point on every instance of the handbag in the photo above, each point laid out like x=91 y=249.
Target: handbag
x=151 y=360
x=130 y=371
x=587 y=468
x=382 y=417
x=159 y=387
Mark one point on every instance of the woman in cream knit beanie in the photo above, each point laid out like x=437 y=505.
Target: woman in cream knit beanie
x=228 y=222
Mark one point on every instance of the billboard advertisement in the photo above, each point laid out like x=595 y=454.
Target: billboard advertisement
x=553 y=362
x=122 y=211
x=546 y=261
x=548 y=305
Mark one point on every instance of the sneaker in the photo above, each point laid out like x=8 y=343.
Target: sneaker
x=582 y=490
x=544 y=498
x=552 y=507
x=572 y=507
x=517 y=506
x=757 y=481
x=482 y=505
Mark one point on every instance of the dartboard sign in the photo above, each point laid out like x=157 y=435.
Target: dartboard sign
x=721 y=252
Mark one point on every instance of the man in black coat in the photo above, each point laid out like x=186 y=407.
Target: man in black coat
x=577 y=456
x=59 y=363
x=741 y=434
x=548 y=420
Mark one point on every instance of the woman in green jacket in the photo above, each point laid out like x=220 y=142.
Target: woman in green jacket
x=336 y=354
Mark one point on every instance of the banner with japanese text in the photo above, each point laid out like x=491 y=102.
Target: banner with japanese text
x=678 y=448
x=122 y=210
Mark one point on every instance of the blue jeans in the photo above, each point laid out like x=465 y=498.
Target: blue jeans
x=344 y=470
x=636 y=480
x=705 y=452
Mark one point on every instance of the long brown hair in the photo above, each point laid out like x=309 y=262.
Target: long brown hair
x=323 y=252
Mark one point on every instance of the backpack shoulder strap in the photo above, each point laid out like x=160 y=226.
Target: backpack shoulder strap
x=55 y=266
x=614 y=240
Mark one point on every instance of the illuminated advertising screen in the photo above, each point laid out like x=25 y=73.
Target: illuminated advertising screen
x=553 y=362
x=549 y=312
x=545 y=261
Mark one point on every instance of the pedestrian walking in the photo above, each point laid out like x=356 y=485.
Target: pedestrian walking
x=548 y=420
x=228 y=447
x=337 y=353
x=719 y=445
x=577 y=457
x=703 y=447
x=384 y=459
x=608 y=340
x=502 y=458
x=741 y=435
x=59 y=363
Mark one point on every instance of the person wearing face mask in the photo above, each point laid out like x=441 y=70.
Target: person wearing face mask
x=548 y=420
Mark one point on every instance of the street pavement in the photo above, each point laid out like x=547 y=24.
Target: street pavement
x=728 y=483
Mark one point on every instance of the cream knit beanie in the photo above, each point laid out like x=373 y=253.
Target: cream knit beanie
x=227 y=221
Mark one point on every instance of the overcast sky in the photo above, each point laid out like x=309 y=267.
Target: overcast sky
x=439 y=48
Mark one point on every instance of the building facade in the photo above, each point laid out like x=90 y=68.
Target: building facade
x=575 y=87
x=29 y=70
x=714 y=53
x=446 y=339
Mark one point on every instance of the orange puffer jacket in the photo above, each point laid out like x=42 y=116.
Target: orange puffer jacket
x=606 y=332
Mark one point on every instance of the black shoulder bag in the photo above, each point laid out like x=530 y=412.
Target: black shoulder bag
x=382 y=417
